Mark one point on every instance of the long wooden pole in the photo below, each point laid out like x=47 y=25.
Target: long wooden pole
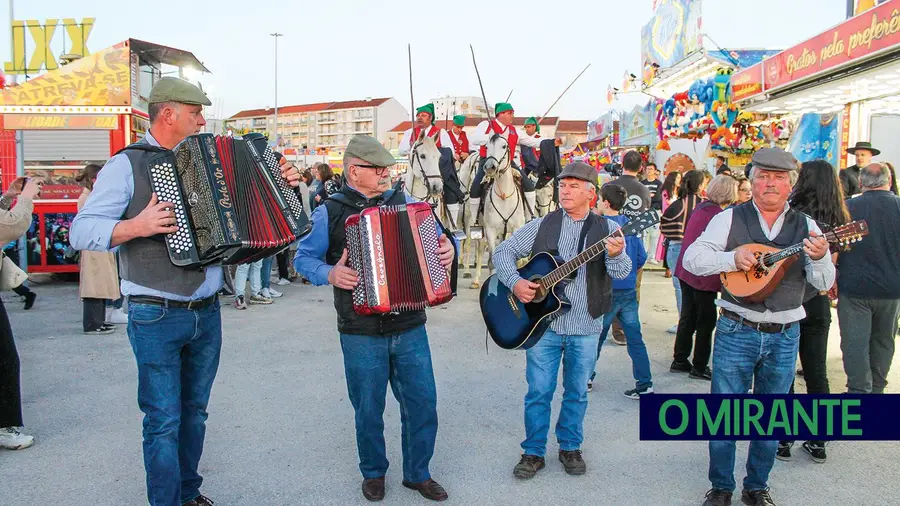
x=483 y=96
x=542 y=116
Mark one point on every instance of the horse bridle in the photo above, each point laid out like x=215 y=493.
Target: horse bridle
x=425 y=177
x=502 y=171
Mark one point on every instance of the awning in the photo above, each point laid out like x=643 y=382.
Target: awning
x=701 y=65
x=167 y=55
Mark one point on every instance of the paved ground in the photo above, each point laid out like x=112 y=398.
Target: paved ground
x=280 y=430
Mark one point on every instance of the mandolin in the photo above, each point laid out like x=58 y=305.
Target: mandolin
x=759 y=282
x=515 y=325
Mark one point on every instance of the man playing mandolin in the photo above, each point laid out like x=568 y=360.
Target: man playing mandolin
x=573 y=337
x=756 y=343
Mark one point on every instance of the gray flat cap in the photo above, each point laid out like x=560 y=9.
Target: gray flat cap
x=367 y=148
x=774 y=159
x=579 y=170
x=172 y=89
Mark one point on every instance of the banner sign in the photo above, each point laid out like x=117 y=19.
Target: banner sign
x=601 y=127
x=59 y=121
x=816 y=138
x=101 y=79
x=870 y=32
x=747 y=83
x=742 y=417
x=672 y=34
x=43 y=54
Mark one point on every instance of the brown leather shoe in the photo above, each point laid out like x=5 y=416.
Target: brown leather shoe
x=572 y=462
x=200 y=500
x=429 y=489
x=373 y=488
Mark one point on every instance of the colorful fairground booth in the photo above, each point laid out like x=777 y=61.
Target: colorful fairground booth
x=837 y=88
x=76 y=114
x=695 y=117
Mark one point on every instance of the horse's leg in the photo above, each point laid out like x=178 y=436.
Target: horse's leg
x=476 y=273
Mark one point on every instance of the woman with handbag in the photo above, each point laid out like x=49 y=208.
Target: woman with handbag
x=13 y=224
x=99 y=279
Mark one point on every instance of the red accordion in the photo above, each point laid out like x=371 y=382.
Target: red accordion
x=394 y=251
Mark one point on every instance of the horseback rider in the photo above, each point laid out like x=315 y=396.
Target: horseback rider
x=501 y=125
x=459 y=138
x=530 y=156
x=453 y=193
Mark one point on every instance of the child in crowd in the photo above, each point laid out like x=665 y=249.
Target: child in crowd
x=624 y=298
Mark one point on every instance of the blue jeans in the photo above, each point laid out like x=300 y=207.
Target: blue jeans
x=244 y=272
x=625 y=306
x=265 y=272
x=672 y=254
x=743 y=356
x=177 y=354
x=404 y=360
x=578 y=355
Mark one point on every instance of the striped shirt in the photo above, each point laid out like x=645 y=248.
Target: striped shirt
x=577 y=321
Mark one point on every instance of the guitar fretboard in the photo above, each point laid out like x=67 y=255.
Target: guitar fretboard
x=565 y=270
x=771 y=259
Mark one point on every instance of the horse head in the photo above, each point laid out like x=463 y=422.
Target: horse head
x=497 y=159
x=424 y=163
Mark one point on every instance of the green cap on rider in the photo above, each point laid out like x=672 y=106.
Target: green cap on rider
x=421 y=119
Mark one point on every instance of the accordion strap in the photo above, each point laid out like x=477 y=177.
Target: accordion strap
x=142 y=146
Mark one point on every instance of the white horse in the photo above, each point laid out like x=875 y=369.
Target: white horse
x=544 y=200
x=504 y=208
x=466 y=219
x=423 y=176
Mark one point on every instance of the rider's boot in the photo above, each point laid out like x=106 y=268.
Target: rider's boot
x=532 y=204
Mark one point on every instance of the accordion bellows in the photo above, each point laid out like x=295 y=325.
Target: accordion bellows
x=232 y=204
x=394 y=251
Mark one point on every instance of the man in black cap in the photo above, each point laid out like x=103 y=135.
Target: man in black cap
x=381 y=348
x=175 y=327
x=757 y=343
x=863 y=152
x=573 y=337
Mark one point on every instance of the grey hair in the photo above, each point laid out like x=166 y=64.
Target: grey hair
x=348 y=161
x=874 y=175
x=722 y=190
x=794 y=174
x=153 y=110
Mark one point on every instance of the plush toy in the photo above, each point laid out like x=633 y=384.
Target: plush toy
x=724 y=116
x=722 y=82
x=694 y=95
x=669 y=111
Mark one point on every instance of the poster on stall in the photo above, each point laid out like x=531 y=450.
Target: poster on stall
x=673 y=32
x=817 y=137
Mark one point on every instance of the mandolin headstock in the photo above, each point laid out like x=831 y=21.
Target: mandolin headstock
x=849 y=233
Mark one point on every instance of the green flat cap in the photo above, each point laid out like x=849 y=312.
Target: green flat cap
x=502 y=107
x=368 y=149
x=429 y=108
x=459 y=120
x=774 y=159
x=531 y=121
x=172 y=89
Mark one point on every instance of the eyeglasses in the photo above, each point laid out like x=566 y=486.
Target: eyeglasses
x=379 y=171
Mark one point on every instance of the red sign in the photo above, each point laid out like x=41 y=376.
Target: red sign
x=747 y=83
x=845 y=136
x=871 y=31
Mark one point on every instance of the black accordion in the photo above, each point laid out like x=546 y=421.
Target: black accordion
x=232 y=205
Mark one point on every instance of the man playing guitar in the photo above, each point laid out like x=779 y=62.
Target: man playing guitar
x=758 y=340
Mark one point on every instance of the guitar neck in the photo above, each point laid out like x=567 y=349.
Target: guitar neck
x=773 y=258
x=565 y=270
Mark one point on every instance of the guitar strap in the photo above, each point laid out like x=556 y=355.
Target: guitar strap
x=584 y=231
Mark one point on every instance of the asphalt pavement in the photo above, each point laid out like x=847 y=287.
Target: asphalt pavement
x=280 y=428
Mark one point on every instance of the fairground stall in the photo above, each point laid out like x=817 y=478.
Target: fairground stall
x=837 y=88
x=77 y=114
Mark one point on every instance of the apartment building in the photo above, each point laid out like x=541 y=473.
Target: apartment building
x=447 y=107
x=324 y=125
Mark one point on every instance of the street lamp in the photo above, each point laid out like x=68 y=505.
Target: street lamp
x=276 y=35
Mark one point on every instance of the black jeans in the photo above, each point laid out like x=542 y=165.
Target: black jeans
x=22 y=290
x=698 y=314
x=10 y=392
x=94 y=314
x=814 y=346
x=282 y=259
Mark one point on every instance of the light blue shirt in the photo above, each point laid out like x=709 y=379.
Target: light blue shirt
x=310 y=257
x=93 y=226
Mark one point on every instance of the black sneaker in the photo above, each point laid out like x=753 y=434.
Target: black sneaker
x=718 y=497
x=590 y=385
x=784 y=451
x=816 y=451
x=678 y=366
x=706 y=374
x=29 y=300
x=528 y=466
x=757 y=497
x=636 y=393
x=572 y=462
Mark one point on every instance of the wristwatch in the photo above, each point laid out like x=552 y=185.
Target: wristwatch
x=5 y=202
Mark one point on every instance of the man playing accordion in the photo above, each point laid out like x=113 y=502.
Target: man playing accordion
x=377 y=348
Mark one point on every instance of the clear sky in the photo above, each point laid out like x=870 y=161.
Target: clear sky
x=343 y=50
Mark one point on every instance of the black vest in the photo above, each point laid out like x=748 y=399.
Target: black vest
x=746 y=229
x=599 y=284
x=145 y=260
x=343 y=204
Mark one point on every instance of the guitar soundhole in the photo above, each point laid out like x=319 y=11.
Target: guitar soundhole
x=759 y=270
x=540 y=294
